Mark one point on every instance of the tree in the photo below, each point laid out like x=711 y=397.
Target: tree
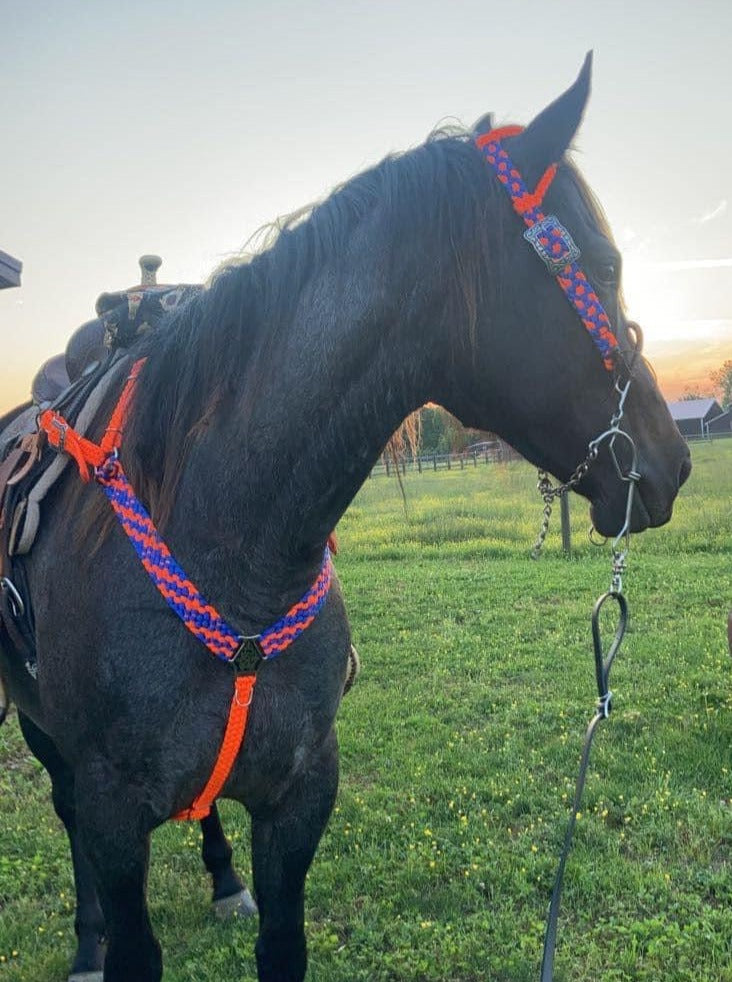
x=722 y=382
x=690 y=394
x=442 y=433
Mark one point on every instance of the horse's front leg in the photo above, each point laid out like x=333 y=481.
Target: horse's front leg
x=115 y=834
x=231 y=897
x=284 y=841
x=89 y=920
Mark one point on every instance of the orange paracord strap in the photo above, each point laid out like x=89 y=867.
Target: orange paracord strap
x=87 y=454
x=113 y=434
x=230 y=747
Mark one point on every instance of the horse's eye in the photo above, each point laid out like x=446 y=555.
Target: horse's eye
x=607 y=273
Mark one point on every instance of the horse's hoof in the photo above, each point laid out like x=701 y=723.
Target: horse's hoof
x=237 y=905
x=86 y=977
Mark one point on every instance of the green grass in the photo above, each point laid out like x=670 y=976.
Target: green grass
x=459 y=749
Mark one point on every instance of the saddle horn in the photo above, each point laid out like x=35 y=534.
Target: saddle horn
x=149 y=266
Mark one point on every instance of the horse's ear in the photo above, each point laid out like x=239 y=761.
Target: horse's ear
x=483 y=125
x=548 y=136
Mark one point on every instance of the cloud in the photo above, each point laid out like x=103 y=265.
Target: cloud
x=693 y=263
x=709 y=216
x=674 y=332
x=683 y=362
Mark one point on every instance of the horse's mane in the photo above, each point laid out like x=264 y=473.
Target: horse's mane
x=223 y=342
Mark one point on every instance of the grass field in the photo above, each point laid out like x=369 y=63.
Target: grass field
x=460 y=746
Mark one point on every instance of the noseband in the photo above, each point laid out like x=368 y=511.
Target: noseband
x=560 y=254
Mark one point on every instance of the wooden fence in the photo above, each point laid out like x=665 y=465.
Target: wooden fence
x=498 y=452
x=494 y=453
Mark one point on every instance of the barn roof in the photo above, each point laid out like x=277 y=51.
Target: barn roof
x=10 y=270
x=694 y=408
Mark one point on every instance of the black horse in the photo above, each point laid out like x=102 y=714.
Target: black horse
x=261 y=408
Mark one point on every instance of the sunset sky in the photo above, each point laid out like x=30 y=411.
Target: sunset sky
x=180 y=127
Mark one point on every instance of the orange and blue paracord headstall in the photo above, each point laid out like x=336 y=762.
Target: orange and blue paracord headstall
x=551 y=240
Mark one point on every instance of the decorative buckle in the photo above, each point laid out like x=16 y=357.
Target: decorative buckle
x=248 y=656
x=553 y=243
x=63 y=428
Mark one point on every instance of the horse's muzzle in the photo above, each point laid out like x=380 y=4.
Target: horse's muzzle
x=653 y=500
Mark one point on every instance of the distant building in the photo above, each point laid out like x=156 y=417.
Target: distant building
x=701 y=418
x=9 y=271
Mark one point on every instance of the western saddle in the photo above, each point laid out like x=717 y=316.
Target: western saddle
x=74 y=383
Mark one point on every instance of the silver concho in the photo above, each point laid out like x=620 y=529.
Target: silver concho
x=548 y=234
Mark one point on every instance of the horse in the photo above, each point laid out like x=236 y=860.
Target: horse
x=260 y=409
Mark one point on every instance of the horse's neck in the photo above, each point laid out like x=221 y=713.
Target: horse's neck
x=368 y=344
x=349 y=373
x=342 y=389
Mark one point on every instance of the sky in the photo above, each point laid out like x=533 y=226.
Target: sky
x=179 y=128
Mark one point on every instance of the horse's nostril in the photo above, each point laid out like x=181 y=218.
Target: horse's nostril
x=685 y=468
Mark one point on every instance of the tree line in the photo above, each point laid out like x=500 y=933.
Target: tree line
x=721 y=388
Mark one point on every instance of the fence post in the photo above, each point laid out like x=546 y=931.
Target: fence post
x=449 y=465
x=386 y=461
x=419 y=464
x=566 y=532
x=434 y=461
x=475 y=458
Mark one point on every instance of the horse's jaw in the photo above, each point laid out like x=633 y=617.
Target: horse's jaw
x=608 y=519
x=652 y=504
